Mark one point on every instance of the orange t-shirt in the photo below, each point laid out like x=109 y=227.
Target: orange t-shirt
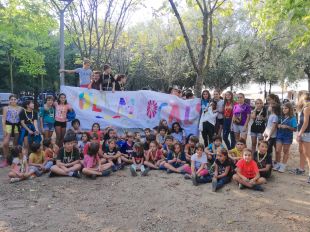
x=249 y=170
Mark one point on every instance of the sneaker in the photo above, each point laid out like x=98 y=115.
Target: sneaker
x=13 y=180
x=276 y=167
x=214 y=184
x=169 y=171
x=241 y=186
x=282 y=168
x=106 y=172
x=52 y=174
x=145 y=172
x=187 y=176
x=133 y=171
x=4 y=164
x=297 y=171
x=93 y=177
x=77 y=174
x=257 y=187
x=308 y=180
x=194 y=179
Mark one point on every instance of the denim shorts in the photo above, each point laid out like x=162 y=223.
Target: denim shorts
x=238 y=129
x=285 y=140
x=48 y=126
x=257 y=135
x=305 y=137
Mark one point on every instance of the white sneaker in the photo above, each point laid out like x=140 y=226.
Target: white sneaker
x=13 y=180
x=276 y=167
x=282 y=168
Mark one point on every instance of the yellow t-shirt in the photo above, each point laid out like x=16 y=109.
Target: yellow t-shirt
x=37 y=158
x=235 y=153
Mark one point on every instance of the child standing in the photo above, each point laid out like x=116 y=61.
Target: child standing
x=248 y=173
x=270 y=133
x=68 y=160
x=19 y=169
x=47 y=117
x=222 y=170
x=154 y=157
x=259 y=115
x=29 y=123
x=11 y=126
x=228 y=115
x=197 y=168
x=175 y=159
x=62 y=107
x=85 y=73
x=263 y=159
x=138 y=160
x=207 y=122
x=92 y=163
x=287 y=124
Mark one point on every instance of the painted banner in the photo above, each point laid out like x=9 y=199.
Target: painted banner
x=132 y=109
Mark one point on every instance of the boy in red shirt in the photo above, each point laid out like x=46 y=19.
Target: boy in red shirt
x=248 y=173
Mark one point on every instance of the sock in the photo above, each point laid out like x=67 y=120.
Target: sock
x=70 y=173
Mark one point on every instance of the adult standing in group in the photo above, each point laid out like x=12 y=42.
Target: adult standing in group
x=303 y=136
x=108 y=81
x=85 y=73
x=220 y=110
x=228 y=115
x=11 y=126
x=241 y=117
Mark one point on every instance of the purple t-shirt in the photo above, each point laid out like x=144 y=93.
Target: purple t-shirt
x=242 y=111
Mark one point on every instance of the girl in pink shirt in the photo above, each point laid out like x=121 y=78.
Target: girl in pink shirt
x=92 y=163
x=61 y=110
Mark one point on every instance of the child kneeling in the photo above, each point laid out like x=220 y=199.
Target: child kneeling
x=92 y=163
x=68 y=160
x=248 y=172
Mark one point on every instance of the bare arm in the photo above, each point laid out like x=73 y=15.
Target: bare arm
x=5 y=111
x=225 y=173
x=306 y=121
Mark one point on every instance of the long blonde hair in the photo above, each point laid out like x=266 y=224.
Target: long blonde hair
x=303 y=101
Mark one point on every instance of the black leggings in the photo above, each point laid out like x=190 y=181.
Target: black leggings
x=207 y=132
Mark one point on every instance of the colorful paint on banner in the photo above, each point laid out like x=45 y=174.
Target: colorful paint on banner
x=132 y=109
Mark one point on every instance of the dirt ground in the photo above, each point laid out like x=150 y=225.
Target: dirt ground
x=158 y=202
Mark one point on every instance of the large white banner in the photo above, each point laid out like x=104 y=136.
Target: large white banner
x=132 y=109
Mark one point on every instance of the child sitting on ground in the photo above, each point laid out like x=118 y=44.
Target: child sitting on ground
x=190 y=148
x=160 y=138
x=167 y=145
x=76 y=129
x=68 y=160
x=49 y=154
x=222 y=171
x=112 y=155
x=248 y=173
x=127 y=149
x=263 y=159
x=92 y=164
x=236 y=153
x=36 y=160
x=212 y=149
x=82 y=143
x=19 y=169
x=175 y=159
x=198 y=165
x=153 y=157
x=138 y=160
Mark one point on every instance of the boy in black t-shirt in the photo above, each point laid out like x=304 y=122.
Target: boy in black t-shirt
x=112 y=155
x=263 y=159
x=68 y=160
